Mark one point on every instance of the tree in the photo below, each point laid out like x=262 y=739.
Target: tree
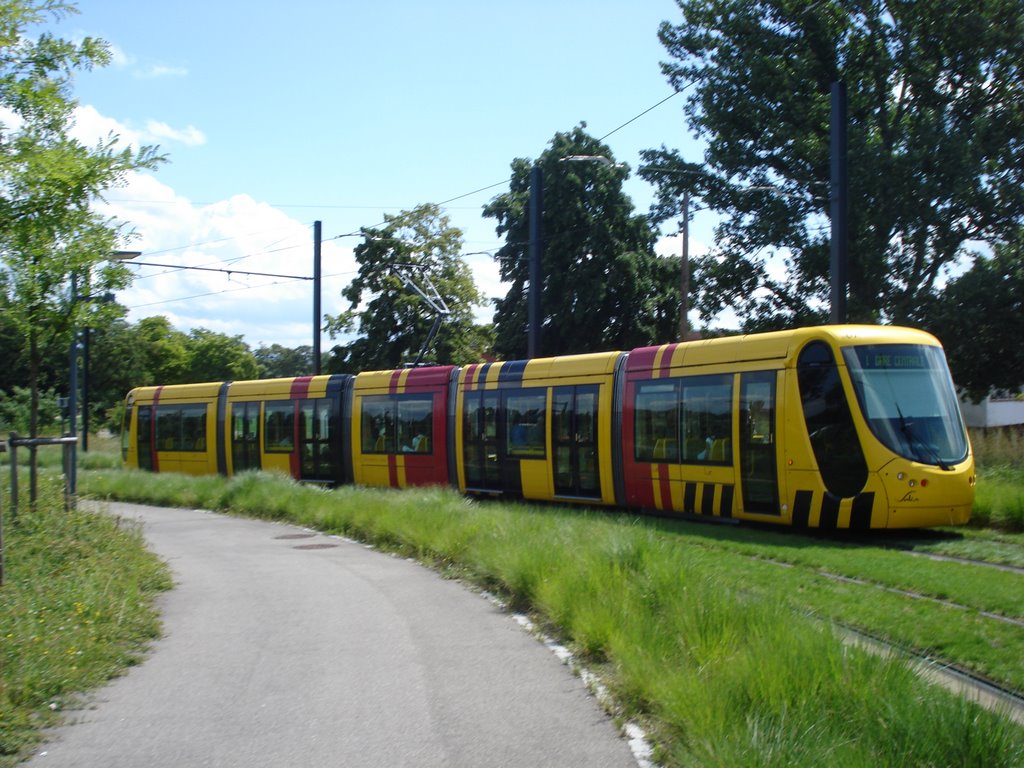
x=219 y=357
x=935 y=157
x=979 y=318
x=54 y=247
x=604 y=288
x=118 y=361
x=277 y=361
x=393 y=321
x=166 y=350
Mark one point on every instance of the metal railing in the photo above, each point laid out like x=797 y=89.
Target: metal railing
x=70 y=473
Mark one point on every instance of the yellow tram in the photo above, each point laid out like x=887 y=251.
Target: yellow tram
x=831 y=427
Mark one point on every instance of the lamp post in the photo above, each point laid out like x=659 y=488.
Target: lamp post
x=73 y=384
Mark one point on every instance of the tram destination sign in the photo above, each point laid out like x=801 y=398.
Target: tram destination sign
x=894 y=359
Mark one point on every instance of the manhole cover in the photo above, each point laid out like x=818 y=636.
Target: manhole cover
x=296 y=536
x=315 y=546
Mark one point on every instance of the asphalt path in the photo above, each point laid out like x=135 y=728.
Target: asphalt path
x=284 y=648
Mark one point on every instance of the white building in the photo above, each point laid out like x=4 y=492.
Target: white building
x=999 y=409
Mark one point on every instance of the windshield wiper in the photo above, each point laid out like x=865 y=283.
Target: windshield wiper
x=912 y=438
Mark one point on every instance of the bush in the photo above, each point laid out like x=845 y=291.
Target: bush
x=15 y=411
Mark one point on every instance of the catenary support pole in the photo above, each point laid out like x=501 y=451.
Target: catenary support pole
x=838 y=204
x=684 y=272
x=317 y=239
x=536 y=251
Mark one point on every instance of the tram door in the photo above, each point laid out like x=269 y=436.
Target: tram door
x=245 y=436
x=144 y=430
x=759 y=477
x=480 y=441
x=316 y=446
x=574 y=441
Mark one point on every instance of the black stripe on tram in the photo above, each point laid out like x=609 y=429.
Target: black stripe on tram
x=690 y=498
x=707 y=499
x=802 y=508
x=829 y=511
x=860 y=517
x=725 y=505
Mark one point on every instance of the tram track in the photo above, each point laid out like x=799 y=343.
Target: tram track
x=948 y=674
x=972 y=686
x=921 y=596
x=965 y=561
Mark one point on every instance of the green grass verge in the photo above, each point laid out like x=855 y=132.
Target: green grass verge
x=999 y=498
x=713 y=648
x=76 y=609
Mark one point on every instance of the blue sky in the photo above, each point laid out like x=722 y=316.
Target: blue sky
x=274 y=115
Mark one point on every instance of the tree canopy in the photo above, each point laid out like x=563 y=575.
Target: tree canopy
x=55 y=249
x=277 y=361
x=935 y=157
x=604 y=288
x=979 y=318
x=392 y=321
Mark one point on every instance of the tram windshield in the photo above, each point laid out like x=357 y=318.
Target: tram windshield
x=906 y=395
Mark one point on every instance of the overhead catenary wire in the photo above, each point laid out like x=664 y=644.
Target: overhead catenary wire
x=366 y=207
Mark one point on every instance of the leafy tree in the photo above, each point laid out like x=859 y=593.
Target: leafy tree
x=15 y=410
x=392 y=321
x=166 y=351
x=277 y=361
x=935 y=157
x=49 y=235
x=219 y=357
x=979 y=318
x=604 y=287
x=118 y=361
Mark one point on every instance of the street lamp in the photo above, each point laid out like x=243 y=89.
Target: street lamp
x=73 y=384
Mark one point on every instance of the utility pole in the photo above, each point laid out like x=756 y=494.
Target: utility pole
x=317 y=236
x=684 y=270
x=838 y=205
x=536 y=250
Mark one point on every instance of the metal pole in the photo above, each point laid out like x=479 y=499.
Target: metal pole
x=536 y=252
x=316 y=296
x=839 y=205
x=85 y=391
x=684 y=276
x=3 y=447
x=73 y=394
x=14 y=477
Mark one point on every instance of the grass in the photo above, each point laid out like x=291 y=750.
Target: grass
x=76 y=610
x=999 y=500
x=718 y=652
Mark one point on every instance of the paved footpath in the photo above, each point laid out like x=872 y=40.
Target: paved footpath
x=286 y=651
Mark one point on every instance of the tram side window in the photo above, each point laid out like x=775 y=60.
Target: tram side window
x=279 y=426
x=397 y=424
x=525 y=413
x=656 y=422
x=415 y=419
x=685 y=420
x=705 y=423
x=181 y=427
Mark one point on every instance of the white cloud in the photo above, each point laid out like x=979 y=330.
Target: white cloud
x=238 y=236
x=159 y=70
x=121 y=59
x=190 y=136
x=90 y=127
